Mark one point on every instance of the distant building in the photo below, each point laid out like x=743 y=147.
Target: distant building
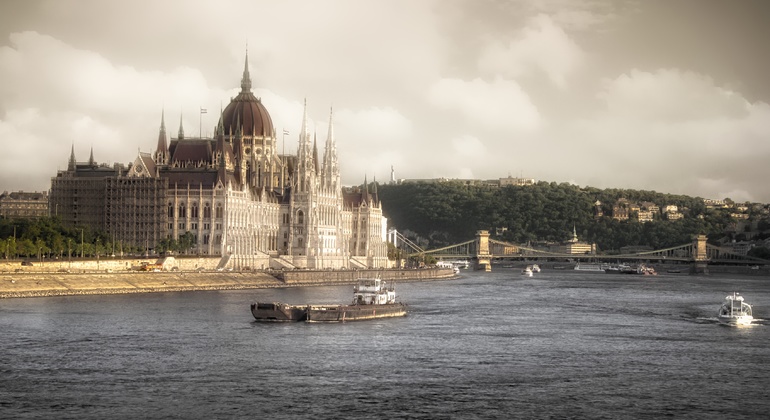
x=651 y=207
x=598 y=210
x=619 y=212
x=23 y=205
x=575 y=246
x=519 y=182
x=740 y=247
x=715 y=204
x=645 y=216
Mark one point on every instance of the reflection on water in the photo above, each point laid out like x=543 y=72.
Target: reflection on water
x=561 y=344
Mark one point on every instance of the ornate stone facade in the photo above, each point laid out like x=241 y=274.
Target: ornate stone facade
x=235 y=194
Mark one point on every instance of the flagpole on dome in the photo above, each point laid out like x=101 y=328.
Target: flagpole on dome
x=200 y=121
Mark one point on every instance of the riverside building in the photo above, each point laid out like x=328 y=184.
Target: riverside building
x=234 y=193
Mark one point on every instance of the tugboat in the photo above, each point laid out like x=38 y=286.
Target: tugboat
x=371 y=300
x=734 y=311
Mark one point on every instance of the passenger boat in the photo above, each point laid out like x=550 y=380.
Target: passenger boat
x=590 y=267
x=628 y=269
x=372 y=299
x=734 y=311
x=527 y=271
x=448 y=264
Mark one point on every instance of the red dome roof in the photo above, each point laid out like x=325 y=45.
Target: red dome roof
x=246 y=111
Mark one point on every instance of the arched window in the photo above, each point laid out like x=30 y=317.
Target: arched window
x=300 y=218
x=206 y=211
x=182 y=210
x=219 y=211
x=194 y=211
x=171 y=210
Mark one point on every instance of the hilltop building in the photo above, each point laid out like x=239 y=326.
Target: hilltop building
x=234 y=193
x=576 y=246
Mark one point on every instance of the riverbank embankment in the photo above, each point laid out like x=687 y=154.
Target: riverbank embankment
x=37 y=284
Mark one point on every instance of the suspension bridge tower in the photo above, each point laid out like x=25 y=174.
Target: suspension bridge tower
x=699 y=264
x=483 y=257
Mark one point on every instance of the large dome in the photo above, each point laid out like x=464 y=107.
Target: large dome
x=247 y=111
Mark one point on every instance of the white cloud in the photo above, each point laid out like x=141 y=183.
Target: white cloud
x=542 y=47
x=670 y=95
x=497 y=105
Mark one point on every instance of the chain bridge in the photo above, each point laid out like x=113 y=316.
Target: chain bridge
x=482 y=250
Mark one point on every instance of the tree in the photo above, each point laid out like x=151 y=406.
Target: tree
x=186 y=242
x=759 y=252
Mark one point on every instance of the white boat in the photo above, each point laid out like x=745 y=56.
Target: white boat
x=535 y=268
x=527 y=271
x=448 y=264
x=734 y=311
x=464 y=264
x=590 y=267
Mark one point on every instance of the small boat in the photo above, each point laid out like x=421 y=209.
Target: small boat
x=527 y=271
x=734 y=311
x=371 y=300
x=535 y=268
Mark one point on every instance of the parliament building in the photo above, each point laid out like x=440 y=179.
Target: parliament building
x=238 y=197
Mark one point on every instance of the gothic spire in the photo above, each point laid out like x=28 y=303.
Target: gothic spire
x=162 y=145
x=91 y=160
x=330 y=169
x=181 y=128
x=72 y=163
x=315 y=154
x=246 y=80
x=365 y=192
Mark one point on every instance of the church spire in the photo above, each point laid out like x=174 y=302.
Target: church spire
x=246 y=80
x=365 y=192
x=91 y=160
x=181 y=128
x=330 y=169
x=161 y=150
x=72 y=162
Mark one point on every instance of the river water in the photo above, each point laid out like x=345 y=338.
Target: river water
x=561 y=344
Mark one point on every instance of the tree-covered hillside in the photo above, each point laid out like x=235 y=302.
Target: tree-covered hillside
x=450 y=212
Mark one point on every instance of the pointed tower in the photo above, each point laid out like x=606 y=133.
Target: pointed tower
x=315 y=154
x=72 y=163
x=161 y=150
x=180 y=136
x=246 y=79
x=91 y=160
x=305 y=172
x=365 y=192
x=330 y=169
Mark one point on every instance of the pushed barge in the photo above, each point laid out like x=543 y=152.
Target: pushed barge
x=371 y=300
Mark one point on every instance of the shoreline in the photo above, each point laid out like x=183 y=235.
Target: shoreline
x=30 y=285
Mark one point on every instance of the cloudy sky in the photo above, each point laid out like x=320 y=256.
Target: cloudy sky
x=661 y=95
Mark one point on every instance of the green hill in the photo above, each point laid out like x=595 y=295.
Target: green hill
x=444 y=213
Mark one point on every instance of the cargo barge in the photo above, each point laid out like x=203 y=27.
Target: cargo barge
x=372 y=299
